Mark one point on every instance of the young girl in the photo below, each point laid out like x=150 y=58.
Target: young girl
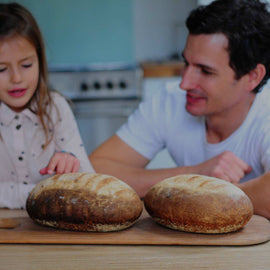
x=38 y=132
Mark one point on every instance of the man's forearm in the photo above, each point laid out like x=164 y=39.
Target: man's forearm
x=140 y=179
x=258 y=190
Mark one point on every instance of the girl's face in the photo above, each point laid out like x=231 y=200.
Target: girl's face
x=19 y=72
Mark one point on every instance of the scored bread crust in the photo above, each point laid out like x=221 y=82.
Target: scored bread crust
x=199 y=204
x=84 y=202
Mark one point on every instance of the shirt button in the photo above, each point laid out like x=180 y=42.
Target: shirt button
x=18 y=127
x=20 y=158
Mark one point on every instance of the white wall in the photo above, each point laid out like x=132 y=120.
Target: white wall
x=158 y=24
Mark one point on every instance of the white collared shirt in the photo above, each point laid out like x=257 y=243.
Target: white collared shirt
x=21 y=149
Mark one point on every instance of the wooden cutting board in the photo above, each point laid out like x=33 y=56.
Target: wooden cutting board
x=144 y=232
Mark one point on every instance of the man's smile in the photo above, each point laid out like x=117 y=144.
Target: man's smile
x=194 y=97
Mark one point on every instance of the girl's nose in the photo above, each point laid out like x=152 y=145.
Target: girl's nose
x=189 y=79
x=16 y=75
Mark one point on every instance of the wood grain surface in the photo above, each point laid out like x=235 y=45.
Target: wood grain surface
x=144 y=232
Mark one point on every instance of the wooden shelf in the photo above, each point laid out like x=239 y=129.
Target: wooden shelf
x=166 y=69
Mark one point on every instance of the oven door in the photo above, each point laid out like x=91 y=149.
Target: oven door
x=99 y=119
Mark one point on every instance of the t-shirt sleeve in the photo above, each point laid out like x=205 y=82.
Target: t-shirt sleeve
x=263 y=128
x=67 y=135
x=265 y=146
x=144 y=130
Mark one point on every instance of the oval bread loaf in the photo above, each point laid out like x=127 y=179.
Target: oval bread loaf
x=84 y=202
x=199 y=204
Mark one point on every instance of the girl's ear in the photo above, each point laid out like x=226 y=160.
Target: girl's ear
x=255 y=76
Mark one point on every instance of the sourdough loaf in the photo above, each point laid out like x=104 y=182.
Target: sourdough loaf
x=199 y=204
x=84 y=202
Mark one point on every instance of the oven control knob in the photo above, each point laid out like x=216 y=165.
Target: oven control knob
x=84 y=86
x=123 y=85
x=96 y=85
x=109 y=85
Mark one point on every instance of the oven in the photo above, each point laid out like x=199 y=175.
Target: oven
x=102 y=97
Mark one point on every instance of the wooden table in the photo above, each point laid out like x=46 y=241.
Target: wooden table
x=75 y=257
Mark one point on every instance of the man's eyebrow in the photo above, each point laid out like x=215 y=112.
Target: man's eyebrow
x=200 y=65
x=208 y=68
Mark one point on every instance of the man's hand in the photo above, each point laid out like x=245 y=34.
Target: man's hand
x=226 y=166
x=61 y=163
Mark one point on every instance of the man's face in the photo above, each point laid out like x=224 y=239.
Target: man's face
x=212 y=89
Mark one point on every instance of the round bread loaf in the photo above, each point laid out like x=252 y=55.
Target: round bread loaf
x=199 y=204
x=84 y=202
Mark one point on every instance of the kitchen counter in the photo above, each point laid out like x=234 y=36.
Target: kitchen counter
x=54 y=256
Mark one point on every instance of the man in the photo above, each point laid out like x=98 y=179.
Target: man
x=218 y=124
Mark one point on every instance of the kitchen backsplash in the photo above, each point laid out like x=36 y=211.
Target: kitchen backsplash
x=105 y=31
x=85 y=31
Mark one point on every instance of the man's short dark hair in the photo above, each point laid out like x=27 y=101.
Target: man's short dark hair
x=246 y=24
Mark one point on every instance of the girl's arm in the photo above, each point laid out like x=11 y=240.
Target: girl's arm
x=68 y=139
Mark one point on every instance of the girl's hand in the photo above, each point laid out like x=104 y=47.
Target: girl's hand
x=61 y=162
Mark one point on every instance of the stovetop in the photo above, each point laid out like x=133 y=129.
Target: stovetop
x=97 y=82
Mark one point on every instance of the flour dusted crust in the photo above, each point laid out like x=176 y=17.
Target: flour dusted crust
x=199 y=204
x=84 y=202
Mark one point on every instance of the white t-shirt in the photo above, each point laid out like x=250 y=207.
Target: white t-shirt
x=162 y=122
x=21 y=149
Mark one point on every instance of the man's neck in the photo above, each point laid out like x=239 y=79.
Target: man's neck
x=220 y=127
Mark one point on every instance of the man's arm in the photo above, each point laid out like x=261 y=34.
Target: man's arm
x=115 y=157
x=258 y=190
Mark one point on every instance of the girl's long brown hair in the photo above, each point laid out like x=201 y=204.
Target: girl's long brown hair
x=17 y=20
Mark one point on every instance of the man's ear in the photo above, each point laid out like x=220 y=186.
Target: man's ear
x=255 y=76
